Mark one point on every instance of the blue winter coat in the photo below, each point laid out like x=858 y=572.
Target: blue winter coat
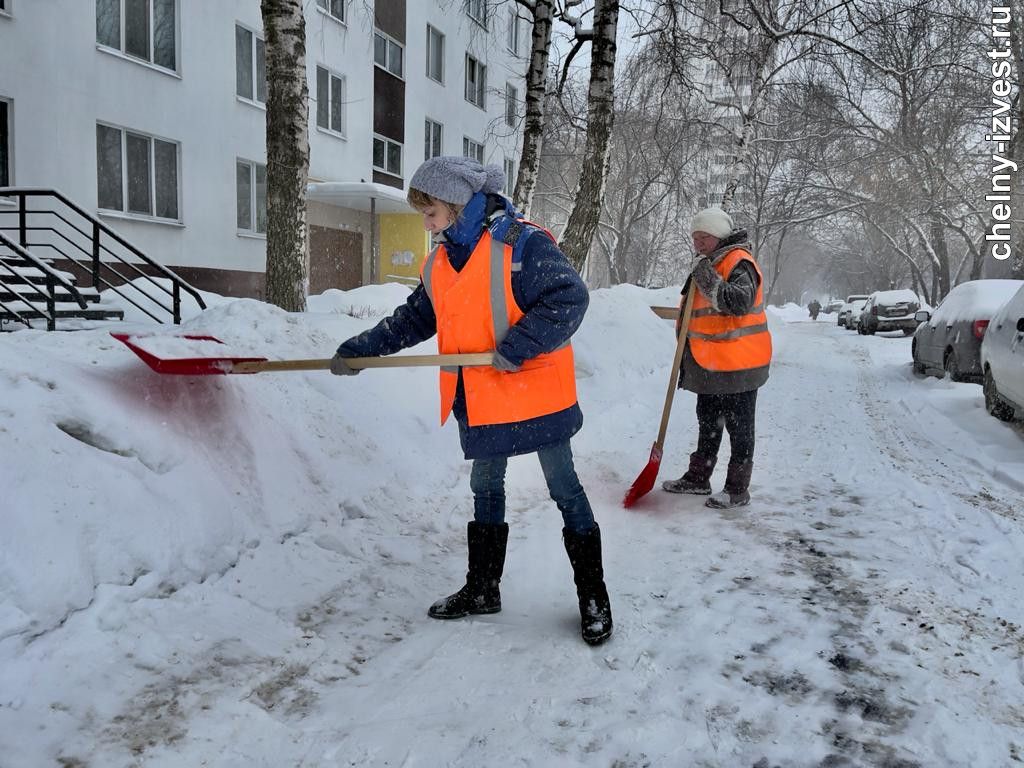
x=548 y=290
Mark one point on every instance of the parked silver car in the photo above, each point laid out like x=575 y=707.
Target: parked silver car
x=948 y=340
x=889 y=311
x=854 y=301
x=1002 y=360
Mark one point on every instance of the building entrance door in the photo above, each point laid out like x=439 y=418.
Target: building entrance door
x=335 y=259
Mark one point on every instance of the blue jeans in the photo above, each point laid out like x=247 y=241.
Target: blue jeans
x=488 y=483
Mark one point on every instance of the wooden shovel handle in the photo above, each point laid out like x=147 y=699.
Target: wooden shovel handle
x=673 y=379
x=396 y=361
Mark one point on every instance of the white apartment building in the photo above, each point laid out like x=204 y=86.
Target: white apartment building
x=150 y=114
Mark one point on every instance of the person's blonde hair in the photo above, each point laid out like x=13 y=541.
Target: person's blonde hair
x=421 y=200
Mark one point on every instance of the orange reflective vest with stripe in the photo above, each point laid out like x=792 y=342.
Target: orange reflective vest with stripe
x=475 y=309
x=720 y=342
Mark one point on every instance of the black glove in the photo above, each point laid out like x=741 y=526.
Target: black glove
x=706 y=277
x=502 y=363
x=340 y=366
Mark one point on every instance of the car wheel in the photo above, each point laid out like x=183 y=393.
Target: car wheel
x=949 y=362
x=918 y=366
x=993 y=404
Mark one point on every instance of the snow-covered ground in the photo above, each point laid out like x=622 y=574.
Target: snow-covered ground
x=235 y=570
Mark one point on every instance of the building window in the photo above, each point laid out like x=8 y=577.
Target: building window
x=330 y=101
x=143 y=29
x=510 y=176
x=5 y=7
x=513 y=31
x=435 y=54
x=476 y=81
x=250 y=66
x=387 y=53
x=387 y=155
x=6 y=146
x=511 y=103
x=136 y=173
x=477 y=10
x=251 y=188
x=335 y=8
x=473 y=149
x=431 y=139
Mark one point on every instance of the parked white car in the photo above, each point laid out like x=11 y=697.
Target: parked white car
x=850 y=313
x=1002 y=360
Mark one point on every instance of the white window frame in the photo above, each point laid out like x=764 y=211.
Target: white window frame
x=9 y=106
x=326 y=7
x=477 y=11
x=151 y=160
x=401 y=162
x=473 y=148
x=254 y=60
x=332 y=76
x=428 y=138
x=513 y=41
x=253 y=229
x=479 y=86
x=148 y=60
x=511 y=104
x=389 y=45
x=510 y=175
x=439 y=50
x=7 y=9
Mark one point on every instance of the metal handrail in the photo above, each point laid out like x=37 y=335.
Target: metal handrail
x=98 y=228
x=43 y=267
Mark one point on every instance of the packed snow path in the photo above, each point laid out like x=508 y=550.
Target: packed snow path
x=863 y=611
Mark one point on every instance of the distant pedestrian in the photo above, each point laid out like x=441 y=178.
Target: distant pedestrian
x=814 y=308
x=727 y=356
x=495 y=282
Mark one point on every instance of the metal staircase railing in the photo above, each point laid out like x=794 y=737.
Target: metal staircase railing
x=110 y=261
x=52 y=280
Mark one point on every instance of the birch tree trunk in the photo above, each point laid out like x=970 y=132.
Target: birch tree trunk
x=536 y=93
x=579 y=231
x=284 y=26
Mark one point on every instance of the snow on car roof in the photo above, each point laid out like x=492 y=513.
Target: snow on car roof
x=894 y=297
x=976 y=299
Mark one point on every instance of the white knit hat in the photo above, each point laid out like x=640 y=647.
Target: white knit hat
x=456 y=179
x=714 y=221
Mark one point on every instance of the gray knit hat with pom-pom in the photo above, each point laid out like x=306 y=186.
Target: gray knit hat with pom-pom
x=456 y=179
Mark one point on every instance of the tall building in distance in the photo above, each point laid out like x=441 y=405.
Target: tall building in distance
x=151 y=114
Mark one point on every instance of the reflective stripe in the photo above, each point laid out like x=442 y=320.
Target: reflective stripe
x=450 y=368
x=427 y=275
x=734 y=334
x=712 y=311
x=499 y=310
x=517 y=267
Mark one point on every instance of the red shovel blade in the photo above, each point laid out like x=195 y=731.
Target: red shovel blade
x=184 y=366
x=645 y=481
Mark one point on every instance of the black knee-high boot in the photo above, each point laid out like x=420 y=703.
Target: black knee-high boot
x=487 y=544
x=584 y=550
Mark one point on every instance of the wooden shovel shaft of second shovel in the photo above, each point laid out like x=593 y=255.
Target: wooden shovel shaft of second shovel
x=395 y=361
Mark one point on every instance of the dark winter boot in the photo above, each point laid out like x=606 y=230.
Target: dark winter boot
x=486 y=563
x=697 y=479
x=584 y=550
x=735 y=494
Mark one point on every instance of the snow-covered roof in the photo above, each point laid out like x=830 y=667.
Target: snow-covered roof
x=357 y=195
x=976 y=299
x=894 y=297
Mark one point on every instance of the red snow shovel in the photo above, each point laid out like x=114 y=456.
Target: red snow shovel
x=211 y=366
x=645 y=481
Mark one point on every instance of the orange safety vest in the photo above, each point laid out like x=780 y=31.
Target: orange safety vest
x=475 y=309
x=720 y=342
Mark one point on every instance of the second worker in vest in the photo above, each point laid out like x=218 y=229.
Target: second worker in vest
x=497 y=283
x=727 y=355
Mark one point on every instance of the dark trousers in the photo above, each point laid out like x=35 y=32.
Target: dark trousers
x=716 y=413
x=488 y=483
